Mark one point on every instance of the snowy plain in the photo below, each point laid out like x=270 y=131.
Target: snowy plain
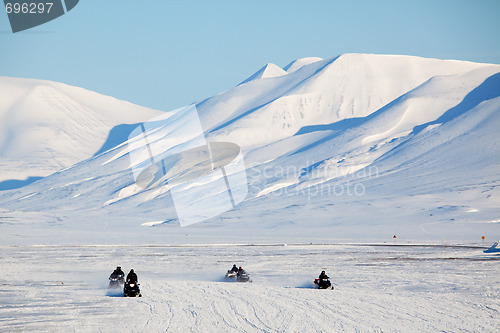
x=384 y=288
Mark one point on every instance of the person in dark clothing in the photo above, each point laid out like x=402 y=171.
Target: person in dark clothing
x=234 y=269
x=323 y=276
x=117 y=273
x=116 y=279
x=132 y=277
x=240 y=271
x=323 y=282
x=131 y=288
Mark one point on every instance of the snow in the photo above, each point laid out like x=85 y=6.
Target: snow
x=299 y=63
x=47 y=126
x=268 y=71
x=339 y=155
x=377 y=288
x=341 y=140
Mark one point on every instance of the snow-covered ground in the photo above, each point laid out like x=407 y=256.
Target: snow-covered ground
x=352 y=149
x=382 y=288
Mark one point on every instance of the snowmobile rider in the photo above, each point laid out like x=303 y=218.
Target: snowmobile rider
x=240 y=271
x=234 y=269
x=323 y=276
x=132 y=277
x=117 y=273
x=323 y=282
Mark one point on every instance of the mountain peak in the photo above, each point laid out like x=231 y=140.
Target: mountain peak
x=299 y=63
x=268 y=71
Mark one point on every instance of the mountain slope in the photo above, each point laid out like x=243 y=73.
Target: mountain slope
x=324 y=92
x=47 y=126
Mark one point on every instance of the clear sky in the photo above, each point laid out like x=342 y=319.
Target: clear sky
x=168 y=53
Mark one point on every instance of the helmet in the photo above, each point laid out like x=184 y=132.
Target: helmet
x=131 y=271
x=118 y=267
x=322 y=272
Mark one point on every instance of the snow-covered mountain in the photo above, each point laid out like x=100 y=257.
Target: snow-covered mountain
x=269 y=70
x=356 y=146
x=47 y=126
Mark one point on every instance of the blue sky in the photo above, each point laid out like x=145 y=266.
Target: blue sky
x=165 y=54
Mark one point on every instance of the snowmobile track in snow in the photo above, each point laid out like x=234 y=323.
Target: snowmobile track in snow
x=64 y=288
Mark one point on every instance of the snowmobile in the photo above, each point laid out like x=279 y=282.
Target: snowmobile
x=116 y=282
x=243 y=277
x=131 y=289
x=323 y=284
x=230 y=275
